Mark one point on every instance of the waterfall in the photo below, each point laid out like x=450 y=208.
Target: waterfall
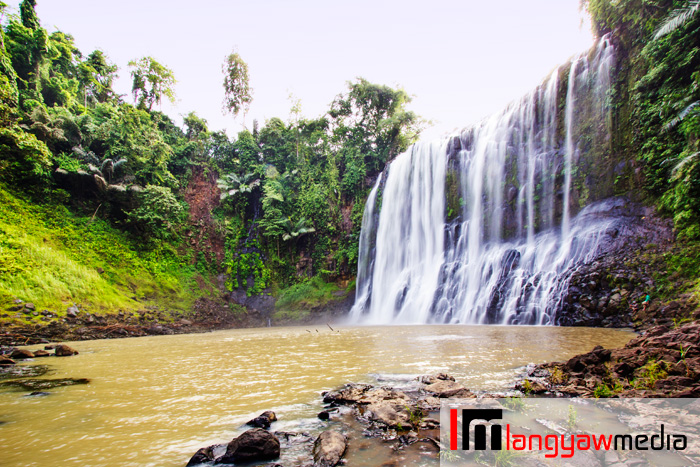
x=483 y=227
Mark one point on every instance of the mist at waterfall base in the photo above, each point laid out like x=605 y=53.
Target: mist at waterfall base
x=482 y=227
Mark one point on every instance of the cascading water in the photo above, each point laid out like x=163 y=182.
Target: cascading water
x=479 y=228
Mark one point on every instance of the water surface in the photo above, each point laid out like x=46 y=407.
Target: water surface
x=153 y=401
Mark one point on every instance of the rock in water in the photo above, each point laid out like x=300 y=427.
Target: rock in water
x=329 y=449
x=20 y=354
x=263 y=420
x=6 y=360
x=253 y=445
x=62 y=350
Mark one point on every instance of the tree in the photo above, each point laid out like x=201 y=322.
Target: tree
x=373 y=119
x=237 y=92
x=27 y=11
x=295 y=229
x=96 y=75
x=151 y=81
x=196 y=126
x=233 y=184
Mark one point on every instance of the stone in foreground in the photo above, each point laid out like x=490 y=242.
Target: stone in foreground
x=253 y=445
x=329 y=448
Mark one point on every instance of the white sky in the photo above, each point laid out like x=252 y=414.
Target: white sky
x=461 y=59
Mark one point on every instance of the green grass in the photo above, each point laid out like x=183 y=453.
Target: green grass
x=53 y=258
x=295 y=301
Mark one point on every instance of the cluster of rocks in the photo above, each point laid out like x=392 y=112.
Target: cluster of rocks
x=661 y=362
x=259 y=445
x=398 y=417
x=8 y=356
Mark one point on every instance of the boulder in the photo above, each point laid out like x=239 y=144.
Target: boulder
x=41 y=353
x=21 y=354
x=447 y=388
x=252 y=446
x=62 y=350
x=329 y=448
x=390 y=414
x=263 y=420
x=350 y=393
x=4 y=360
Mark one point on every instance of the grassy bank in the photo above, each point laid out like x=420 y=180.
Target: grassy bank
x=54 y=258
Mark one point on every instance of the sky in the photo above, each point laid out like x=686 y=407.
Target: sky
x=461 y=60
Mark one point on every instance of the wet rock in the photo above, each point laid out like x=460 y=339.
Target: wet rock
x=324 y=415
x=350 y=393
x=39 y=393
x=21 y=354
x=431 y=379
x=253 y=445
x=41 y=353
x=263 y=420
x=329 y=448
x=447 y=388
x=6 y=360
x=207 y=455
x=62 y=350
x=391 y=414
x=41 y=384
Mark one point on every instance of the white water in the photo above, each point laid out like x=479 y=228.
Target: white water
x=505 y=257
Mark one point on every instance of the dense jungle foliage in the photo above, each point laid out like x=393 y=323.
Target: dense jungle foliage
x=657 y=97
x=90 y=180
x=291 y=191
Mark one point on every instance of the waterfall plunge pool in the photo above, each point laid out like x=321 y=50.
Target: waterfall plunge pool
x=153 y=401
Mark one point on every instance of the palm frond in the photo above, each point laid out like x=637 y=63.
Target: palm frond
x=677 y=18
x=679 y=118
x=675 y=173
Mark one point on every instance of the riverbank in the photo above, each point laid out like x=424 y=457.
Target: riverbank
x=661 y=362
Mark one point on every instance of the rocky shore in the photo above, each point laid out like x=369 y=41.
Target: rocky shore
x=399 y=426
x=661 y=362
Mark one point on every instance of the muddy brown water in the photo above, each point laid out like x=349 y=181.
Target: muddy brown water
x=153 y=401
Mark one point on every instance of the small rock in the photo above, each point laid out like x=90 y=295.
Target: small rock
x=329 y=448
x=6 y=360
x=41 y=353
x=263 y=420
x=186 y=322
x=63 y=350
x=39 y=393
x=18 y=301
x=30 y=306
x=21 y=354
x=72 y=312
x=99 y=270
x=324 y=415
x=50 y=347
x=253 y=445
x=203 y=456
